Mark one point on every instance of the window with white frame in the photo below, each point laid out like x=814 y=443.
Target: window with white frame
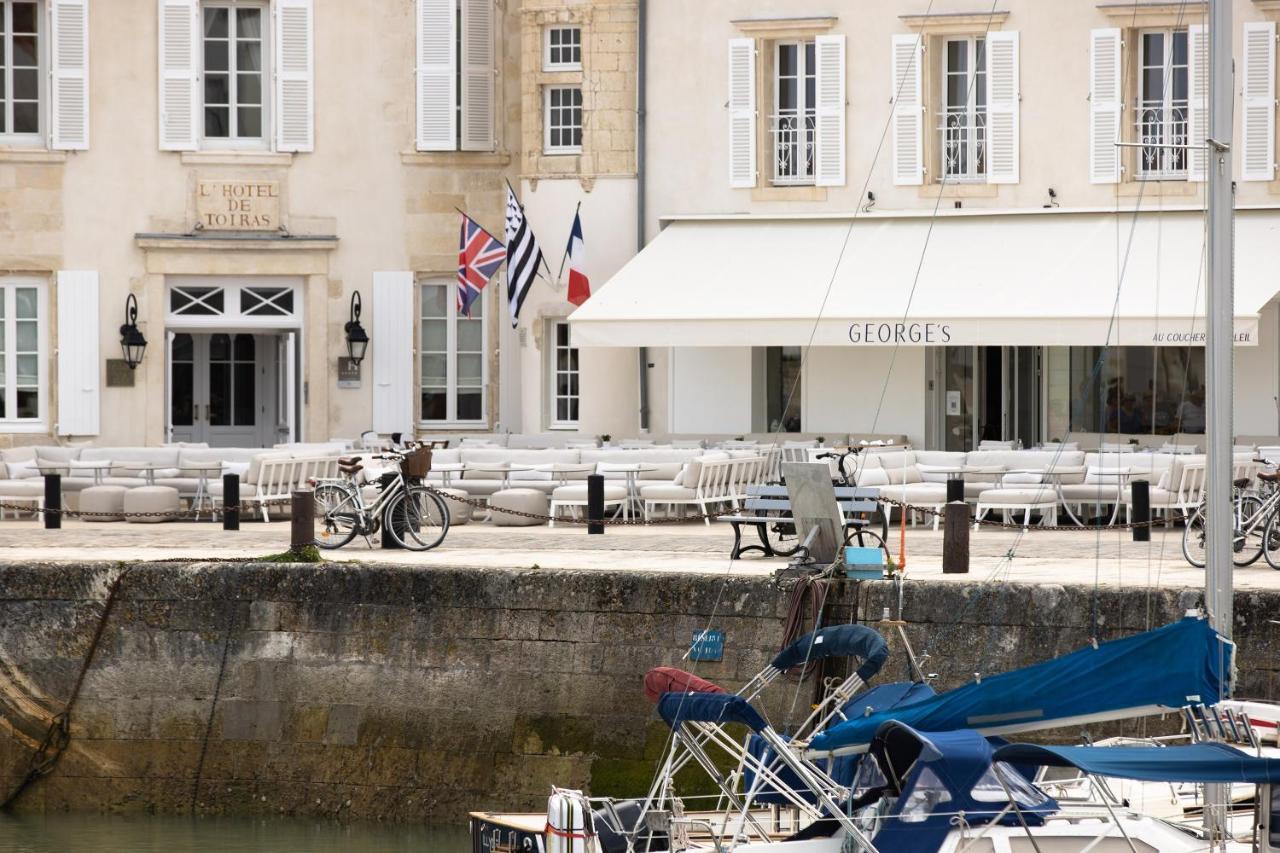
x=1163 y=87
x=564 y=376
x=792 y=124
x=451 y=349
x=22 y=351
x=234 y=42
x=563 y=49
x=964 y=111
x=21 y=36
x=563 y=119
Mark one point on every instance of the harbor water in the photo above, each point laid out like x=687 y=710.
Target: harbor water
x=63 y=833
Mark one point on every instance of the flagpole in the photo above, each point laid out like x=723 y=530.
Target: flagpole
x=569 y=244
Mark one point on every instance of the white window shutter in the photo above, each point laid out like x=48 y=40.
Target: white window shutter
x=437 y=108
x=1197 y=101
x=78 y=365
x=742 y=112
x=295 y=76
x=1105 y=105
x=392 y=335
x=1003 y=97
x=1258 y=131
x=179 y=77
x=908 y=111
x=69 y=66
x=829 y=121
x=477 y=75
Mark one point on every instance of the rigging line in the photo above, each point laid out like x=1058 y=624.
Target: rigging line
x=933 y=218
x=844 y=245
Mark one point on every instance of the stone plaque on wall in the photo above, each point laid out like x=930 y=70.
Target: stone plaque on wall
x=119 y=374
x=238 y=205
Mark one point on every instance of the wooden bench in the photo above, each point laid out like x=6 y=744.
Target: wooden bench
x=857 y=505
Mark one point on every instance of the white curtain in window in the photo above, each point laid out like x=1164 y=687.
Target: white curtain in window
x=69 y=125
x=1258 y=119
x=295 y=76
x=179 y=97
x=1002 y=107
x=742 y=112
x=829 y=120
x=1105 y=105
x=436 y=70
x=908 y=111
x=78 y=363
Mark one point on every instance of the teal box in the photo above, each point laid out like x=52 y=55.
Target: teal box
x=863 y=563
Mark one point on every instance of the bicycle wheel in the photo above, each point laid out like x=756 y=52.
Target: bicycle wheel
x=1271 y=541
x=417 y=518
x=1247 y=546
x=337 y=515
x=1193 y=539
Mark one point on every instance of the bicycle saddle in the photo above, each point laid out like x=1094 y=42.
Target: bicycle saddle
x=348 y=461
x=1241 y=483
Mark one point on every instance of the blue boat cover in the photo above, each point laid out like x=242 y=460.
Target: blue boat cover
x=1198 y=762
x=952 y=761
x=842 y=769
x=837 y=641
x=1183 y=663
x=677 y=708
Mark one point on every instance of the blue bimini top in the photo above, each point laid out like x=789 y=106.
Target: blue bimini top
x=1197 y=762
x=1184 y=663
x=718 y=708
x=837 y=641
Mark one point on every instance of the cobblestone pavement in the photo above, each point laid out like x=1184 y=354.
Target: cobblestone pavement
x=1109 y=558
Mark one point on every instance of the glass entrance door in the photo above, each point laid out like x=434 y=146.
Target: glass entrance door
x=221 y=389
x=990 y=394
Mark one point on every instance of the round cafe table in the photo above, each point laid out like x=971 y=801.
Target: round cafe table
x=1054 y=476
x=632 y=471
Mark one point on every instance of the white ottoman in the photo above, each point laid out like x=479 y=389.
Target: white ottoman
x=459 y=512
x=108 y=500
x=1029 y=498
x=521 y=500
x=615 y=496
x=146 y=499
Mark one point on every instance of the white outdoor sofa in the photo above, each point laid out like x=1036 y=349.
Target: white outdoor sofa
x=713 y=481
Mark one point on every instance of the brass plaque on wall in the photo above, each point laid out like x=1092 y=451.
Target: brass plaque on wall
x=119 y=374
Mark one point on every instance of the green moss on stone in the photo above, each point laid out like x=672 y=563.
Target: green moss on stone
x=305 y=554
x=554 y=735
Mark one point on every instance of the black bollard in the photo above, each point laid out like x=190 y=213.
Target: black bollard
x=386 y=540
x=595 y=503
x=1141 y=510
x=955 y=539
x=230 y=501
x=955 y=489
x=52 y=501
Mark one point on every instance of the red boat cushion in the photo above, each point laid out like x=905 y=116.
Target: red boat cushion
x=668 y=679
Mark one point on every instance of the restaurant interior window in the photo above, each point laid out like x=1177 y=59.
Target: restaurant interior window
x=1138 y=390
x=782 y=388
x=451 y=348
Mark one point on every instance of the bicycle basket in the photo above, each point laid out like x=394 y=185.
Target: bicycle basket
x=416 y=463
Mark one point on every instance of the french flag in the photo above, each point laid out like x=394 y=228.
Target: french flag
x=579 y=284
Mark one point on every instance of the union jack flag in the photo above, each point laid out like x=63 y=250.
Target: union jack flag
x=479 y=256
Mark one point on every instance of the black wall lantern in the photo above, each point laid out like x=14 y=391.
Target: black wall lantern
x=357 y=339
x=131 y=340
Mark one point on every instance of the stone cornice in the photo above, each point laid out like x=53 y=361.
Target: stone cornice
x=956 y=23
x=783 y=27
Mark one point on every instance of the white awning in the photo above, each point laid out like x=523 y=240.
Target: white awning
x=1001 y=279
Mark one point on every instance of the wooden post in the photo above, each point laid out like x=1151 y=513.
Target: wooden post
x=595 y=503
x=955 y=539
x=302 y=531
x=230 y=501
x=52 y=501
x=1141 y=510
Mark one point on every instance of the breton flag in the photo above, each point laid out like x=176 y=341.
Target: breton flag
x=579 y=284
x=523 y=256
x=479 y=256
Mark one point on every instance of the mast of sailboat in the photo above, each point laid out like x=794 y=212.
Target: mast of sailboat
x=1219 y=369
x=1220 y=313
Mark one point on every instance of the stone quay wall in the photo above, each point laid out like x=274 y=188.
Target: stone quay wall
x=396 y=693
